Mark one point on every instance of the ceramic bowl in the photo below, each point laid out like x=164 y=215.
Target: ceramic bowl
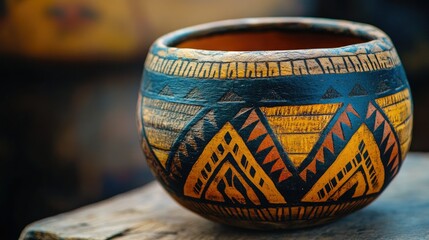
x=275 y=123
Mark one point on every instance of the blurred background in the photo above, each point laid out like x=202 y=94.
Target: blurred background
x=70 y=73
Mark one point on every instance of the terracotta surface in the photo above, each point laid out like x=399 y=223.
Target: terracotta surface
x=268 y=40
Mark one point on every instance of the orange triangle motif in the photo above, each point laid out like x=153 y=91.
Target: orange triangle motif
x=329 y=144
x=253 y=117
x=266 y=143
x=336 y=129
x=257 y=131
x=390 y=142
x=352 y=110
x=378 y=120
x=328 y=141
x=345 y=119
x=371 y=110
x=398 y=110
x=284 y=175
x=278 y=165
x=272 y=155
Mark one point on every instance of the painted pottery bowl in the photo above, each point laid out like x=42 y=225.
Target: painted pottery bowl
x=275 y=122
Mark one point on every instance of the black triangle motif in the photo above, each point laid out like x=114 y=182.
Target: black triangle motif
x=166 y=91
x=331 y=93
x=382 y=87
x=358 y=90
x=272 y=95
x=231 y=96
x=194 y=94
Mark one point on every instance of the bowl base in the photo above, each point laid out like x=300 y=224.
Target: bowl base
x=272 y=218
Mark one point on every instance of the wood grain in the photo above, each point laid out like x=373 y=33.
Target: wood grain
x=149 y=213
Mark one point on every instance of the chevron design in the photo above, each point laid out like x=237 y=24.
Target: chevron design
x=162 y=122
x=398 y=109
x=194 y=140
x=298 y=128
x=388 y=144
x=256 y=133
x=328 y=148
x=357 y=171
x=226 y=169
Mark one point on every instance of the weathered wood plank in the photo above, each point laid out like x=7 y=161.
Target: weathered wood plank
x=149 y=213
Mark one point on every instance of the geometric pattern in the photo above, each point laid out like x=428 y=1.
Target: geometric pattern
x=194 y=94
x=191 y=142
x=163 y=121
x=356 y=172
x=358 y=90
x=386 y=139
x=239 y=164
x=278 y=213
x=219 y=173
x=299 y=127
x=277 y=149
x=190 y=68
x=398 y=109
x=283 y=139
x=343 y=153
x=231 y=96
x=331 y=93
x=166 y=91
x=263 y=145
x=328 y=148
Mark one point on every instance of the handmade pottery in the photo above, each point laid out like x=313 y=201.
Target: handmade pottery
x=275 y=122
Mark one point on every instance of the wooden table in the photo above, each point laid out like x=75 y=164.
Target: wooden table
x=402 y=212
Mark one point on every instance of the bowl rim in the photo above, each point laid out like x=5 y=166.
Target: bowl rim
x=377 y=40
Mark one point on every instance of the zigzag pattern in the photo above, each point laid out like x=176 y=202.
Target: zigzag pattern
x=163 y=122
x=227 y=171
x=256 y=134
x=193 y=140
x=152 y=162
x=328 y=147
x=387 y=142
x=398 y=110
x=298 y=128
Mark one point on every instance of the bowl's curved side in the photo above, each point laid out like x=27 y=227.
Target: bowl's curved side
x=275 y=144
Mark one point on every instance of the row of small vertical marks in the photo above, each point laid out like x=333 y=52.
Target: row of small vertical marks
x=279 y=214
x=313 y=66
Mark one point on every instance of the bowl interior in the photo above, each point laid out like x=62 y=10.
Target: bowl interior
x=268 y=39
